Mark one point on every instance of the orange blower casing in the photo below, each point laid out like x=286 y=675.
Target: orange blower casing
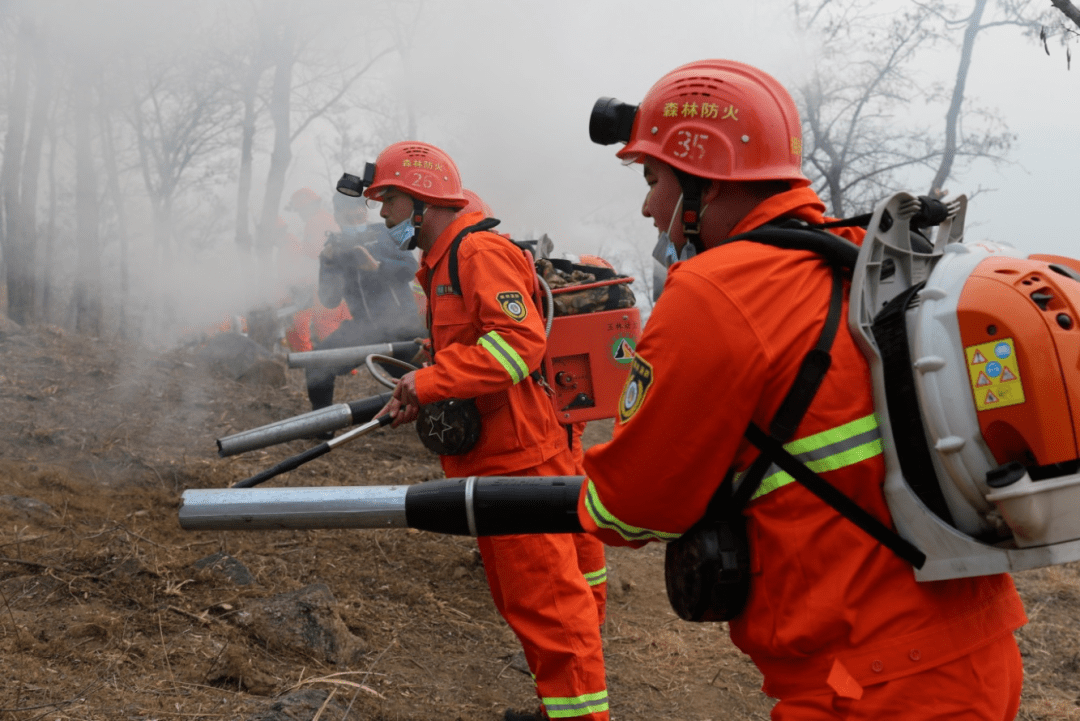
x=1019 y=324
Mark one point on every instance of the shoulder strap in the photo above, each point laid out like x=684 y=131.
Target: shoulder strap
x=485 y=224
x=783 y=426
x=797 y=401
x=795 y=235
x=827 y=492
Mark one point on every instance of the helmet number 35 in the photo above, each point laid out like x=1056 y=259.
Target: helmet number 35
x=690 y=142
x=421 y=181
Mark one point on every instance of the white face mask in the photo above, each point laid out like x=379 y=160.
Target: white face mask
x=664 y=252
x=403 y=234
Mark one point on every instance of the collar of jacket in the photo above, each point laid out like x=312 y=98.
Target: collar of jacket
x=431 y=257
x=801 y=203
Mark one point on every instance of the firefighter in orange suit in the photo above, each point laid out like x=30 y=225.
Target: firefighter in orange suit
x=590 y=550
x=318 y=320
x=487 y=342
x=835 y=621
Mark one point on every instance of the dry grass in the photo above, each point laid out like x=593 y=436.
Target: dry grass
x=103 y=616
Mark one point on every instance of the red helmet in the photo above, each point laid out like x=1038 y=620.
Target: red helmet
x=721 y=120
x=476 y=204
x=419 y=170
x=303 y=198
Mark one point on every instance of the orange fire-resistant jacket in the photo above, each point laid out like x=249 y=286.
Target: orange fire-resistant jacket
x=830 y=609
x=487 y=341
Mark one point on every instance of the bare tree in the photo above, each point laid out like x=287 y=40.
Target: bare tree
x=1069 y=10
x=88 y=307
x=283 y=53
x=952 y=117
x=859 y=139
x=17 y=250
x=181 y=116
x=253 y=64
x=112 y=174
x=1058 y=24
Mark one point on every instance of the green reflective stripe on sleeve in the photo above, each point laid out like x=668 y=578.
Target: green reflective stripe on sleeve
x=595 y=578
x=827 y=451
x=603 y=518
x=508 y=357
x=574 y=706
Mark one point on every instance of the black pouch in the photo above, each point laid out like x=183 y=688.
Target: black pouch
x=450 y=427
x=707 y=569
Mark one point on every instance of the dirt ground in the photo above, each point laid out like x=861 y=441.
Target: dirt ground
x=105 y=614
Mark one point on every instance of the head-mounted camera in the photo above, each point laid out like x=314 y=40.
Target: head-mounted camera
x=611 y=121
x=352 y=185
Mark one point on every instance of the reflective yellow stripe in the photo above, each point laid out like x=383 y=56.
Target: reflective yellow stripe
x=832 y=436
x=604 y=519
x=829 y=450
x=508 y=357
x=595 y=578
x=573 y=706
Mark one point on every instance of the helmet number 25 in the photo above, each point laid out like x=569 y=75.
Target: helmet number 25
x=421 y=181
x=690 y=142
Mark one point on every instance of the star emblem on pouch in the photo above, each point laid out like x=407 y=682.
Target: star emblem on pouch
x=436 y=420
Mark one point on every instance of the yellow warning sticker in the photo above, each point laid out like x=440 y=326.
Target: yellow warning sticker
x=995 y=374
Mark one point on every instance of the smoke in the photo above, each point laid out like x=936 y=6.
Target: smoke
x=505 y=88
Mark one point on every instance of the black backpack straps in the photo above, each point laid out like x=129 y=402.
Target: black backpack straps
x=827 y=492
x=455 y=282
x=797 y=401
x=838 y=251
x=485 y=224
x=812 y=371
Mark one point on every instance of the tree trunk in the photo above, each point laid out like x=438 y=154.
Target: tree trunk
x=280 y=106
x=18 y=262
x=88 y=276
x=112 y=173
x=952 y=117
x=247 y=140
x=48 y=267
x=1068 y=9
x=39 y=121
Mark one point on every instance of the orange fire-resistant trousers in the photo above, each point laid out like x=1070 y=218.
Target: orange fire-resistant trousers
x=982 y=686
x=539 y=586
x=590 y=549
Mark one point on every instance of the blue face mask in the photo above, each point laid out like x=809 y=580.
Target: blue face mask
x=403 y=234
x=664 y=252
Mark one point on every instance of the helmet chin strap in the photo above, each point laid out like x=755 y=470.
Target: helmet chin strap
x=417 y=220
x=693 y=188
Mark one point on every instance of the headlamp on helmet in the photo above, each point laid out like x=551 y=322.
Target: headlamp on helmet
x=611 y=121
x=352 y=185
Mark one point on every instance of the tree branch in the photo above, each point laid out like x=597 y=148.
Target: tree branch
x=1068 y=10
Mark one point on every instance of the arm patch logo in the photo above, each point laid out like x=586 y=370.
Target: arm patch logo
x=513 y=304
x=637 y=384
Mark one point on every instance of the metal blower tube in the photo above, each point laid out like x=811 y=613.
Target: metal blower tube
x=350 y=357
x=473 y=506
x=306 y=425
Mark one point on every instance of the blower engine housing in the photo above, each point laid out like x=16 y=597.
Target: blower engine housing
x=974 y=351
